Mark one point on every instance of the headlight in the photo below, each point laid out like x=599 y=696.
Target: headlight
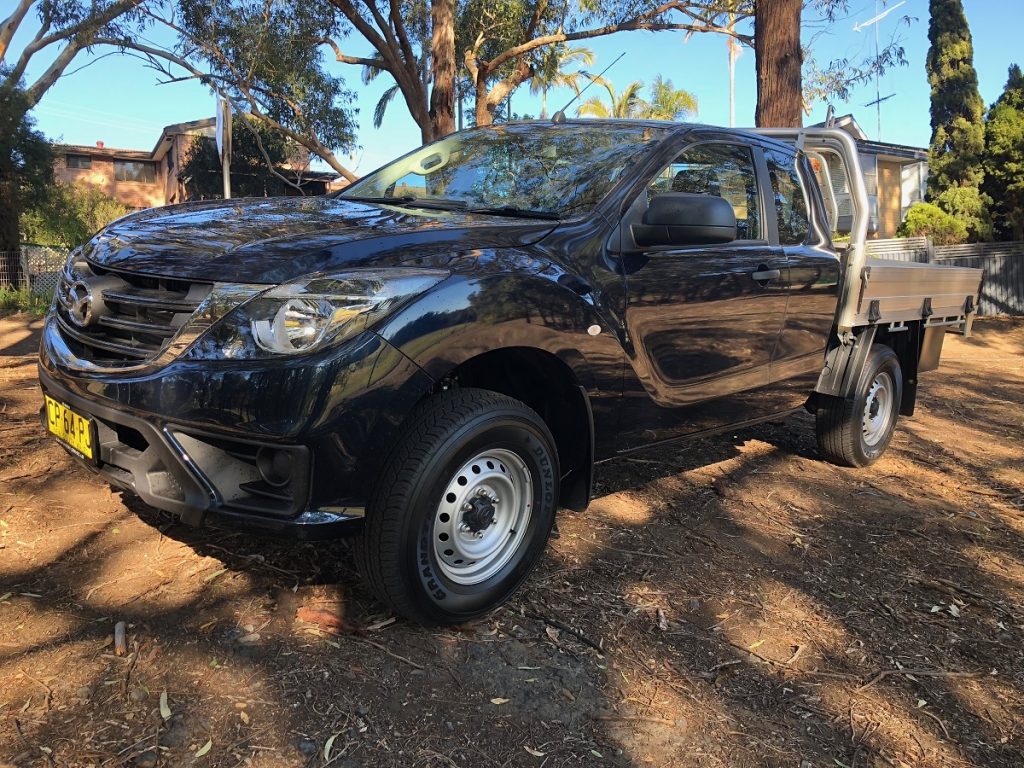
x=313 y=312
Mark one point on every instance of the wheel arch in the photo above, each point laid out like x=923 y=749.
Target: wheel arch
x=550 y=386
x=532 y=336
x=845 y=363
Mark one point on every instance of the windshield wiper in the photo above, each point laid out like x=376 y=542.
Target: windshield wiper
x=511 y=210
x=411 y=201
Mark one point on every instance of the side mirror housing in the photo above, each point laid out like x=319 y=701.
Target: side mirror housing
x=682 y=218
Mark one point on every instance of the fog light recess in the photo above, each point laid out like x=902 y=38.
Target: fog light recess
x=275 y=466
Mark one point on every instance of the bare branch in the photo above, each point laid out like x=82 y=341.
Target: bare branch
x=346 y=59
x=266 y=156
x=252 y=106
x=584 y=34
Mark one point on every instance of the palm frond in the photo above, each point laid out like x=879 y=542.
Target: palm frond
x=593 y=107
x=382 y=105
x=369 y=73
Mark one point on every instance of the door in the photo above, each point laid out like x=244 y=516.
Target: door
x=702 y=321
x=812 y=279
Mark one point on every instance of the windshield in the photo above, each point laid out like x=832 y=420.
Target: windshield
x=554 y=171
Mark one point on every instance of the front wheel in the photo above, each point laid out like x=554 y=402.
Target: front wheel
x=463 y=509
x=855 y=431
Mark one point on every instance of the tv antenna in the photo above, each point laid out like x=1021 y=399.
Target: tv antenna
x=874 y=21
x=559 y=117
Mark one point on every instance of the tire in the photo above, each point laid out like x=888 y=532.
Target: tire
x=855 y=431
x=472 y=458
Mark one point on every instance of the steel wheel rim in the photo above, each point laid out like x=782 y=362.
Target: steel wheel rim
x=497 y=484
x=878 y=409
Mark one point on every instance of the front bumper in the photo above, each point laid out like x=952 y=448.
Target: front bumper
x=185 y=438
x=200 y=476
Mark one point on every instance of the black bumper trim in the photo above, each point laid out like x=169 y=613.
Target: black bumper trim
x=162 y=476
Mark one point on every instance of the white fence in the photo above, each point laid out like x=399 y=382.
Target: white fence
x=35 y=268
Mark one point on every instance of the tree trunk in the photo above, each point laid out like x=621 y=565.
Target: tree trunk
x=442 y=51
x=778 y=60
x=484 y=115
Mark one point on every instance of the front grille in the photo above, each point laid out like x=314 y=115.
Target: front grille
x=130 y=318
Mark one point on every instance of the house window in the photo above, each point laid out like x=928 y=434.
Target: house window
x=131 y=170
x=82 y=162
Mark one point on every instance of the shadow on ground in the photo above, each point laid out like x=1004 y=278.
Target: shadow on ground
x=754 y=607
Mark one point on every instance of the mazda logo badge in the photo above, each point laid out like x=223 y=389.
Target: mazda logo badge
x=80 y=303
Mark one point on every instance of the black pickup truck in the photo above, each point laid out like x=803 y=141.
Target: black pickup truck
x=436 y=358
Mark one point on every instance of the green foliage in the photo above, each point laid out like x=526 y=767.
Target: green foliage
x=268 y=54
x=927 y=220
x=957 y=111
x=26 y=162
x=12 y=301
x=629 y=103
x=69 y=215
x=250 y=176
x=1004 y=158
x=666 y=103
x=970 y=207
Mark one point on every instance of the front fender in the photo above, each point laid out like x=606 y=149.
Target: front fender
x=469 y=315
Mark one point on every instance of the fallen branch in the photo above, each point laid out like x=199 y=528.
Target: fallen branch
x=376 y=645
x=49 y=691
x=916 y=673
x=937 y=720
x=640 y=718
x=29 y=745
x=566 y=628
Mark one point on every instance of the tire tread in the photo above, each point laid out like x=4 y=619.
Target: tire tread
x=376 y=549
x=838 y=419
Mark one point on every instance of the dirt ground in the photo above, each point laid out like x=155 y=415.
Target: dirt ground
x=753 y=605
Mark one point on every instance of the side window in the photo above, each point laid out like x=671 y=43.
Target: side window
x=723 y=170
x=790 y=199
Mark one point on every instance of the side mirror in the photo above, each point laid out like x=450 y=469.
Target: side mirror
x=682 y=218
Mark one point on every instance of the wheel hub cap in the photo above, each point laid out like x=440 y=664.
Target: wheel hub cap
x=480 y=515
x=878 y=409
x=483 y=516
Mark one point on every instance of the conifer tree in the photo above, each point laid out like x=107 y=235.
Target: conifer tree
x=1004 y=158
x=957 y=111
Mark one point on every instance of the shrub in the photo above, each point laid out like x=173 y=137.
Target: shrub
x=970 y=207
x=70 y=215
x=12 y=301
x=927 y=220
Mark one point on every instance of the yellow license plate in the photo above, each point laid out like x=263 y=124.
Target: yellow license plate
x=69 y=427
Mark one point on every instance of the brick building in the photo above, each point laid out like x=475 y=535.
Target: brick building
x=141 y=179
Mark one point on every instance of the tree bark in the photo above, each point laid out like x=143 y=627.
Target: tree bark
x=778 y=61
x=442 y=51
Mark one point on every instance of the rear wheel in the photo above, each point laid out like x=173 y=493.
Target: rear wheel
x=855 y=431
x=463 y=509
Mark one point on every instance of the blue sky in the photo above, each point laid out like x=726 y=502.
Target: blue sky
x=117 y=99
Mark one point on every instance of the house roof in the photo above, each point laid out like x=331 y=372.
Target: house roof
x=163 y=143
x=902 y=153
x=112 y=152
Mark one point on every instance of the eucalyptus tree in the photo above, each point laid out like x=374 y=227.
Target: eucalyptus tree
x=54 y=32
x=500 y=44
x=265 y=58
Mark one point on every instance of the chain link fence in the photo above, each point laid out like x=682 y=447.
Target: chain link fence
x=35 y=269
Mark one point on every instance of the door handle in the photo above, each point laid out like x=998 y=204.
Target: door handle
x=763 y=274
